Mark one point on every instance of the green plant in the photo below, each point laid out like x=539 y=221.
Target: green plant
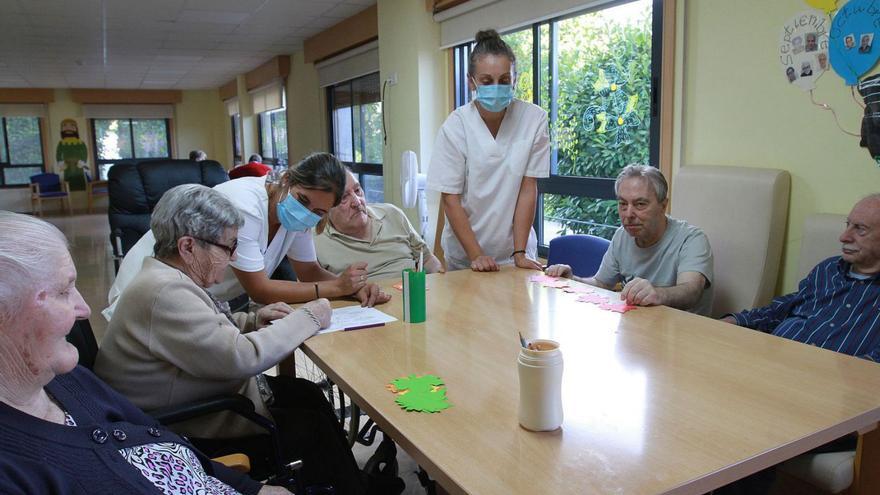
x=604 y=88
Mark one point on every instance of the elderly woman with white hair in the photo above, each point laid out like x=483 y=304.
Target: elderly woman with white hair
x=171 y=342
x=63 y=430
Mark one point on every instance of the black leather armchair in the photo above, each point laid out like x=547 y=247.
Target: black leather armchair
x=135 y=188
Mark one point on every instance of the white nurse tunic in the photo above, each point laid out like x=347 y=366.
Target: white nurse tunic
x=487 y=172
x=254 y=253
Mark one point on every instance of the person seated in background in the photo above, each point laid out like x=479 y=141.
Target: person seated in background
x=379 y=234
x=659 y=259
x=198 y=155
x=835 y=306
x=171 y=342
x=65 y=431
x=253 y=168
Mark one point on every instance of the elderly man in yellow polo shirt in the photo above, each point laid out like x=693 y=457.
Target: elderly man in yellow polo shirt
x=379 y=234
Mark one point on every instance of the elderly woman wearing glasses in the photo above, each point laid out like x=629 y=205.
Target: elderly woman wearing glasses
x=63 y=430
x=171 y=342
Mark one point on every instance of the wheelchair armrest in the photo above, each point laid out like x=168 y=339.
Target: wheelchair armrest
x=236 y=403
x=218 y=403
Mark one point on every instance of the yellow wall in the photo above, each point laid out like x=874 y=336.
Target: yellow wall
x=738 y=109
x=417 y=105
x=306 y=112
x=198 y=124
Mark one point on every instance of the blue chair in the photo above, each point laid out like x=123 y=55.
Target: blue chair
x=48 y=186
x=580 y=251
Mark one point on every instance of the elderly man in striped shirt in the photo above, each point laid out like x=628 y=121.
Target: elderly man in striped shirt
x=837 y=306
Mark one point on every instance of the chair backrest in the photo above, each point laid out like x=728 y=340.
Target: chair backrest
x=82 y=337
x=135 y=188
x=580 y=251
x=820 y=240
x=743 y=212
x=48 y=182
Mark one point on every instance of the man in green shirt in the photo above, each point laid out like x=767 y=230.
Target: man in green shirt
x=379 y=234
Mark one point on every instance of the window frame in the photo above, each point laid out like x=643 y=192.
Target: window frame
x=273 y=159
x=8 y=163
x=235 y=124
x=591 y=187
x=360 y=168
x=134 y=158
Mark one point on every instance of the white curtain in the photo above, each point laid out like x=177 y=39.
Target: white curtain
x=232 y=106
x=268 y=98
x=22 y=110
x=100 y=111
x=459 y=24
x=354 y=63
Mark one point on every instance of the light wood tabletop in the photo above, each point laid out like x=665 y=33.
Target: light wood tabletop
x=655 y=400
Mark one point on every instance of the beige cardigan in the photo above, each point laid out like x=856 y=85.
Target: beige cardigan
x=167 y=344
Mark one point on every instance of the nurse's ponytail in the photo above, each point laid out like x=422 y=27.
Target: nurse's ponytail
x=489 y=42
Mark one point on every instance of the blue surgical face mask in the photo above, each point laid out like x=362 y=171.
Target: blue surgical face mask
x=294 y=216
x=494 y=97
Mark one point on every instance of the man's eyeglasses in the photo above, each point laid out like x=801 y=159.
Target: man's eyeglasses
x=230 y=250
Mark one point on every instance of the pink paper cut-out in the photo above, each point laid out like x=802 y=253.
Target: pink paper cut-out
x=578 y=290
x=542 y=279
x=617 y=307
x=593 y=298
x=558 y=284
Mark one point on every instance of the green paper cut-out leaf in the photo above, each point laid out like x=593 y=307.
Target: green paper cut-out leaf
x=413 y=382
x=424 y=402
x=421 y=393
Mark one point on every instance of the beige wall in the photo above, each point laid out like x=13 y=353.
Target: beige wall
x=738 y=109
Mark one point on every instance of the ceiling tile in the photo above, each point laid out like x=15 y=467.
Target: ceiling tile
x=75 y=7
x=10 y=7
x=159 y=43
x=247 y=6
x=287 y=13
x=343 y=10
x=138 y=9
x=212 y=16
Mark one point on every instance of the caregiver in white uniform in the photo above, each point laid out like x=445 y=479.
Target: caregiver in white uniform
x=486 y=161
x=279 y=217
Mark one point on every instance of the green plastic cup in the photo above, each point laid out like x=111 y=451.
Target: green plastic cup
x=413 y=296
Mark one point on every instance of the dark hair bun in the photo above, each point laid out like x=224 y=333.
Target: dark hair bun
x=486 y=35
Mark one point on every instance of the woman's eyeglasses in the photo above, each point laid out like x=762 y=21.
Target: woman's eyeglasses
x=230 y=250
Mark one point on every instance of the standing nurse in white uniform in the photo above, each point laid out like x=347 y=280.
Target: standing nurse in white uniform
x=486 y=162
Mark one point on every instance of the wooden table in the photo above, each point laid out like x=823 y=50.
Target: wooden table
x=656 y=400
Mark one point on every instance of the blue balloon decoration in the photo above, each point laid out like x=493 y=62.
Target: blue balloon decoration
x=851 y=41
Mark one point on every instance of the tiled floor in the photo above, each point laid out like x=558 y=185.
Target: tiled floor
x=89 y=236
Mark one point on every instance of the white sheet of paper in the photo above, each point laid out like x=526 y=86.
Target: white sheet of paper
x=356 y=316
